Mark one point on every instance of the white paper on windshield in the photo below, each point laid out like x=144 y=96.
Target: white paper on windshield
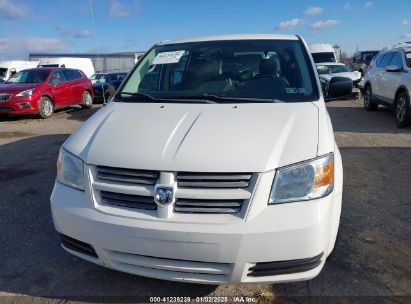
x=168 y=57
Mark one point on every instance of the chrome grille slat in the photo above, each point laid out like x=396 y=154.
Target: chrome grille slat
x=205 y=210
x=213 y=184
x=213 y=180
x=131 y=172
x=200 y=176
x=127 y=176
x=127 y=200
x=209 y=203
x=207 y=206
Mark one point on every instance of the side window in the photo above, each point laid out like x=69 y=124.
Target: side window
x=386 y=59
x=57 y=77
x=72 y=75
x=378 y=60
x=408 y=59
x=397 y=60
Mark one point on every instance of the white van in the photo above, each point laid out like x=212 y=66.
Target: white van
x=215 y=162
x=8 y=68
x=323 y=52
x=83 y=64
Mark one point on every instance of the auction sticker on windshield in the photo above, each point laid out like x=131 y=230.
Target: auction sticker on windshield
x=168 y=57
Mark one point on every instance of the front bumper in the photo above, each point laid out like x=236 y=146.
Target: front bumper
x=19 y=105
x=201 y=252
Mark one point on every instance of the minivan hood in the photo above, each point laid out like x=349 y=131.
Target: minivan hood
x=198 y=137
x=354 y=76
x=14 y=88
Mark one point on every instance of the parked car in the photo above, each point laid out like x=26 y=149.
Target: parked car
x=101 y=87
x=9 y=68
x=323 y=52
x=83 y=64
x=328 y=70
x=206 y=170
x=361 y=59
x=388 y=82
x=42 y=90
x=96 y=77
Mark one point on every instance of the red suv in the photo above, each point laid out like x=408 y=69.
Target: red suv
x=42 y=90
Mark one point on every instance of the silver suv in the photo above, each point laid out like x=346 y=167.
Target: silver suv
x=388 y=82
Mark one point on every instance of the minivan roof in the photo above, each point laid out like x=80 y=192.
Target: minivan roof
x=233 y=37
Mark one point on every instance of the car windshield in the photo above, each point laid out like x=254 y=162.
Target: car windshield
x=29 y=76
x=323 y=57
x=96 y=76
x=332 y=69
x=229 y=71
x=366 y=57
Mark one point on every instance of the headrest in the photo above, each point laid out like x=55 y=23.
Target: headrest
x=268 y=67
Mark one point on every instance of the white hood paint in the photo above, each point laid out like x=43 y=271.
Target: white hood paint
x=352 y=75
x=198 y=137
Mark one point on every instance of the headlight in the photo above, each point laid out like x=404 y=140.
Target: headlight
x=70 y=170
x=25 y=93
x=303 y=181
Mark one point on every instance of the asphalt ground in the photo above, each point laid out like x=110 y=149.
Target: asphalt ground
x=371 y=262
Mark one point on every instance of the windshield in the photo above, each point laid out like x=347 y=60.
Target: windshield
x=29 y=76
x=96 y=76
x=3 y=72
x=332 y=69
x=366 y=57
x=323 y=57
x=267 y=70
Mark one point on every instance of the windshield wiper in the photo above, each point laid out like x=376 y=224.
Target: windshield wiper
x=140 y=95
x=167 y=99
x=215 y=98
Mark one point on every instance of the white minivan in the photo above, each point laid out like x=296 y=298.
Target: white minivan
x=323 y=52
x=11 y=67
x=215 y=162
x=83 y=64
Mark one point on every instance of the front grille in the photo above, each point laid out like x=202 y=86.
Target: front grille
x=207 y=193
x=5 y=97
x=77 y=245
x=213 y=180
x=127 y=200
x=126 y=176
x=207 y=206
x=284 y=267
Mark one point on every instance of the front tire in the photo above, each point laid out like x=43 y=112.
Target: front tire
x=402 y=110
x=369 y=104
x=45 y=108
x=87 y=100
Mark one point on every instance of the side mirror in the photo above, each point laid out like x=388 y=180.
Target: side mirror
x=393 y=68
x=339 y=87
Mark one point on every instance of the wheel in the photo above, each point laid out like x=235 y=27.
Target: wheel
x=369 y=104
x=46 y=107
x=402 y=110
x=87 y=100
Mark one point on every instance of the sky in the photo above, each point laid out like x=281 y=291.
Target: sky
x=134 y=25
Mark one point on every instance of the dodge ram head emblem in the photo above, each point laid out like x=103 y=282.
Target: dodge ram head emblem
x=163 y=195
